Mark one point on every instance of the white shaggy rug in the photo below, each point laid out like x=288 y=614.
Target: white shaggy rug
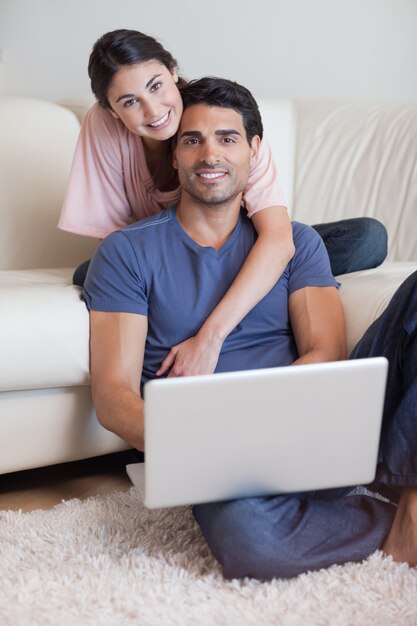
x=108 y=561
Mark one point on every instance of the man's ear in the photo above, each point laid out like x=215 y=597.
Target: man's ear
x=254 y=149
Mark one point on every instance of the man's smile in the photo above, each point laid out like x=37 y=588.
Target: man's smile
x=211 y=175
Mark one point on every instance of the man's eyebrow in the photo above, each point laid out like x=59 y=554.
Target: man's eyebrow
x=191 y=133
x=197 y=133
x=228 y=131
x=132 y=95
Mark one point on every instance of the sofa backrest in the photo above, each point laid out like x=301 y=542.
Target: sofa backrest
x=37 y=141
x=351 y=160
x=335 y=160
x=279 y=120
x=338 y=160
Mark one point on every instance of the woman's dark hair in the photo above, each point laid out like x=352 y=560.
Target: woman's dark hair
x=119 y=48
x=226 y=94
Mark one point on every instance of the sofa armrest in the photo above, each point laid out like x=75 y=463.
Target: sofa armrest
x=366 y=294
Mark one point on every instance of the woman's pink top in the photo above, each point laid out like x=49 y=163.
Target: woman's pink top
x=110 y=185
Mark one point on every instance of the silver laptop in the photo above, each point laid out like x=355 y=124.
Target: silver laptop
x=261 y=432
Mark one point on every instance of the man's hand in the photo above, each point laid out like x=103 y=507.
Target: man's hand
x=197 y=355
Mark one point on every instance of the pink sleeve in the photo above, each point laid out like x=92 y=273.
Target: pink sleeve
x=96 y=203
x=263 y=189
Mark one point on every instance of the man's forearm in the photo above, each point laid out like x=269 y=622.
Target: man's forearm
x=120 y=410
x=321 y=356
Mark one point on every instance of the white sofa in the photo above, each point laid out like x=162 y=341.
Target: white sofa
x=335 y=159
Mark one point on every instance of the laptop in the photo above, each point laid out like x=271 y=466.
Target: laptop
x=261 y=432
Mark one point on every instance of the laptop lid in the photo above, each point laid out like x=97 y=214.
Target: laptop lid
x=261 y=432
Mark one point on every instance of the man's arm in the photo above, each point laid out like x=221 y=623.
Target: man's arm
x=317 y=319
x=117 y=344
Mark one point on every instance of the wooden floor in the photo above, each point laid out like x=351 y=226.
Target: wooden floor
x=44 y=487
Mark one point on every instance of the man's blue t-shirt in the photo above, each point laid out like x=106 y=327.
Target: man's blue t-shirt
x=154 y=268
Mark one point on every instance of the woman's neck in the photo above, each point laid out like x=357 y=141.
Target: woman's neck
x=158 y=156
x=156 y=148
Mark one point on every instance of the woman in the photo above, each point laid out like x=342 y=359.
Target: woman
x=122 y=172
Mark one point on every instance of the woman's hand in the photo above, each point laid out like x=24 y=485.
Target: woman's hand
x=197 y=355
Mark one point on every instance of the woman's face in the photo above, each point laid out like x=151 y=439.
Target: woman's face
x=145 y=97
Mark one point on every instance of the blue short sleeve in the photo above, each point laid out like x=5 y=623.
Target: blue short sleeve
x=114 y=282
x=310 y=266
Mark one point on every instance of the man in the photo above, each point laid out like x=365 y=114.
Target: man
x=151 y=285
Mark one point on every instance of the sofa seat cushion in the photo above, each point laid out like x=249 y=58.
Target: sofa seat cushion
x=44 y=326
x=366 y=294
x=44 y=330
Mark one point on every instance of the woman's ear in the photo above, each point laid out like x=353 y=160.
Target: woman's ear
x=174 y=74
x=113 y=113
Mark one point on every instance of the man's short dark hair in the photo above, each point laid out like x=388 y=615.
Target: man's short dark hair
x=227 y=94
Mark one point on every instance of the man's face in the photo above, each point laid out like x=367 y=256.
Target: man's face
x=212 y=154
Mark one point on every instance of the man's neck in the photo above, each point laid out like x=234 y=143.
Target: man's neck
x=208 y=225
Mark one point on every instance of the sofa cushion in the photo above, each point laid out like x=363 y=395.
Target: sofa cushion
x=44 y=330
